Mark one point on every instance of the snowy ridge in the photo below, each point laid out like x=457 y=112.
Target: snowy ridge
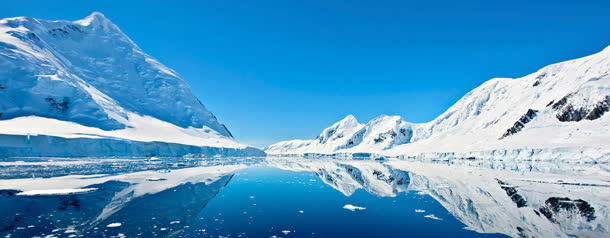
x=86 y=79
x=560 y=107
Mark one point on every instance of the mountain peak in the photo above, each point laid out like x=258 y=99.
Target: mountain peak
x=348 y=122
x=561 y=106
x=96 y=77
x=98 y=16
x=95 y=19
x=349 y=118
x=384 y=117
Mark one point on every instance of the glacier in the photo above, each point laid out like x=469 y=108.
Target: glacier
x=86 y=84
x=558 y=112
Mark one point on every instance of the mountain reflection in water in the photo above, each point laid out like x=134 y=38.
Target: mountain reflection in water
x=295 y=197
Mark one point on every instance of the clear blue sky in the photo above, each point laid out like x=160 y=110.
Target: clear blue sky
x=276 y=70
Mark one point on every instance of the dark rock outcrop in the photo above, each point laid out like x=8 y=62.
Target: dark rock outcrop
x=568 y=112
x=527 y=117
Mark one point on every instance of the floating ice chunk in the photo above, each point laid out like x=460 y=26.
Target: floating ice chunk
x=116 y=224
x=155 y=179
x=251 y=196
x=55 y=191
x=421 y=193
x=286 y=232
x=353 y=208
x=301 y=211
x=174 y=222
x=154 y=159
x=432 y=216
x=420 y=211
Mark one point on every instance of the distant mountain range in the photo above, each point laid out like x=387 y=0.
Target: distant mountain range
x=85 y=85
x=560 y=109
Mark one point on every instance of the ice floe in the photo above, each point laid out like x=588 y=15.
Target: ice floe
x=116 y=224
x=353 y=208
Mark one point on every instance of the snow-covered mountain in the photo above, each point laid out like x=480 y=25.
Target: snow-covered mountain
x=558 y=109
x=86 y=79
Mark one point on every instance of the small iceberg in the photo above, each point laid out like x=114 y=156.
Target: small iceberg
x=116 y=224
x=286 y=232
x=420 y=211
x=353 y=208
x=432 y=216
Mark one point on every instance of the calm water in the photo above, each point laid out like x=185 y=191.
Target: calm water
x=289 y=197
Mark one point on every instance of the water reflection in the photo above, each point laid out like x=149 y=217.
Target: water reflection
x=160 y=202
x=196 y=197
x=518 y=200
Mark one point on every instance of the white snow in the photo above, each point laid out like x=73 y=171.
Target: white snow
x=475 y=124
x=353 y=208
x=142 y=128
x=86 y=79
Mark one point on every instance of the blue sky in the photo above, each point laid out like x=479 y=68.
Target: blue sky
x=277 y=70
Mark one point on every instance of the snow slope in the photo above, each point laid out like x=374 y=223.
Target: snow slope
x=86 y=79
x=561 y=107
